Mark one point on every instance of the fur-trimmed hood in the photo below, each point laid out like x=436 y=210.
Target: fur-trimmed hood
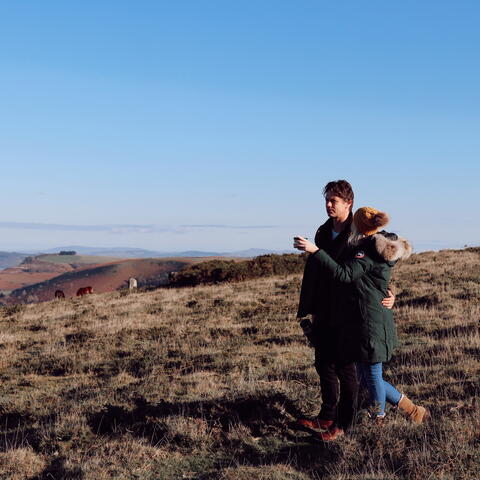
x=391 y=247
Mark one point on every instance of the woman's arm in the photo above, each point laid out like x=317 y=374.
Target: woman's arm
x=346 y=272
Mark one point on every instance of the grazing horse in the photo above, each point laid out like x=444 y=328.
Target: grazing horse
x=59 y=294
x=84 y=291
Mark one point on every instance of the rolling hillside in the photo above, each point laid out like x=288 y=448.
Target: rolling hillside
x=103 y=278
x=205 y=383
x=40 y=268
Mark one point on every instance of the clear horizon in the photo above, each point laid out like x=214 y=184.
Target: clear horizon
x=203 y=125
x=417 y=248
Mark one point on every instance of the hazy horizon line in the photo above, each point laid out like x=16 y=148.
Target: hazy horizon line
x=126 y=228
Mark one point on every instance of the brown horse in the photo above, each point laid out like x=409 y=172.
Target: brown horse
x=84 y=291
x=59 y=294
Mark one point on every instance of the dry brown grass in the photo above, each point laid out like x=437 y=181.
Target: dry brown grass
x=205 y=383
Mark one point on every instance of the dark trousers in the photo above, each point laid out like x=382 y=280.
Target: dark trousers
x=339 y=389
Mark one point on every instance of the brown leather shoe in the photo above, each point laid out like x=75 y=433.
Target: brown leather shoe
x=315 y=424
x=332 y=434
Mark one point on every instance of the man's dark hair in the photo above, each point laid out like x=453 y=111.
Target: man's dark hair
x=340 y=188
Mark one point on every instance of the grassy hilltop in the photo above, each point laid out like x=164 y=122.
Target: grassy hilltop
x=205 y=382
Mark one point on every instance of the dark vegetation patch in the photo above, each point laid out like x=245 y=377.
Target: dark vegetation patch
x=219 y=332
x=221 y=302
x=467 y=295
x=47 y=364
x=301 y=375
x=218 y=271
x=139 y=338
x=267 y=417
x=255 y=311
x=23 y=429
x=133 y=363
x=152 y=334
x=456 y=331
x=279 y=340
x=36 y=328
x=412 y=329
x=250 y=330
x=205 y=359
x=80 y=393
x=454 y=390
x=427 y=301
x=411 y=357
x=79 y=337
x=20 y=436
x=154 y=309
x=473 y=351
x=180 y=366
x=58 y=470
x=28 y=345
x=174 y=353
x=185 y=364
x=258 y=412
x=12 y=310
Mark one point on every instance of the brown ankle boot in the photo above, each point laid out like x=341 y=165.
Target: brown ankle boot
x=416 y=413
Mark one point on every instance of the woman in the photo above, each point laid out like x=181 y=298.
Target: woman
x=371 y=336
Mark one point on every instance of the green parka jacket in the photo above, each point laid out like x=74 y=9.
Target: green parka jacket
x=370 y=333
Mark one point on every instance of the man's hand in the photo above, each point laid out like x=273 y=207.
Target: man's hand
x=388 y=302
x=307 y=328
x=301 y=243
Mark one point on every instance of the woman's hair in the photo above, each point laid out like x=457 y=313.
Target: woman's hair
x=355 y=236
x=340 y=188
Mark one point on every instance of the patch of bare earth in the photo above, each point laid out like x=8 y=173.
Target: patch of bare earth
x=206 y=382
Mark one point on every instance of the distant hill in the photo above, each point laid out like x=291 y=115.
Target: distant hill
x=11 y=259
x=103 y=278
x=75 y=259
x=118 y=252
x=126 y=252
x=36 y=269
x=37 y=277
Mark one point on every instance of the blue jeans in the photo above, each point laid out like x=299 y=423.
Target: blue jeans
x=370 y=376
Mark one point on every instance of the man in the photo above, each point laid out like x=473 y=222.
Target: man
x=336 y=369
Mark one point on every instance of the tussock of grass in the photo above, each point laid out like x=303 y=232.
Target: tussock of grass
x=20 y=463
x=206 y=382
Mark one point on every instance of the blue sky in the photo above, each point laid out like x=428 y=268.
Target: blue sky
x=214 y=125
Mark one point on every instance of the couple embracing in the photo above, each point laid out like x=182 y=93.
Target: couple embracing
x=345 y=290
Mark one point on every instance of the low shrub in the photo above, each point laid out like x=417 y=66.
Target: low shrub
x=219 y=271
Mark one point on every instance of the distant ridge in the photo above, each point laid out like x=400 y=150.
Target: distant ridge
x=127 y=252
x=11 y=259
